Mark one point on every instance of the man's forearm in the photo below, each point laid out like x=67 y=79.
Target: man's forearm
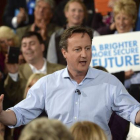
x=8 y=118
x=137 y=120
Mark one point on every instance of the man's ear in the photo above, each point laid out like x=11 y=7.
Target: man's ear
x=64 y=52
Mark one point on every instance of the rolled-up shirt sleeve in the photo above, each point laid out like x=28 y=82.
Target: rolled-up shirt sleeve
x=123 y=103
x=31 y=107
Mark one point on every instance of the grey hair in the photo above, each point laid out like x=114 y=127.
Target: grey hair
x=50 y=2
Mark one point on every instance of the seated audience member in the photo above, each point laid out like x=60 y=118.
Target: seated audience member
x=45 y=129
x=31 y=81
x=59 y=17
x=42 y=14
x=124 y=23
x=32 y=48
x=19 y=13
x=75 y=13
x=87 y=131
x=7 y=38
x=125 y=18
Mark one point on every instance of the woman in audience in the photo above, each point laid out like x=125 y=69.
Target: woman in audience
x=75 y=13
x=125 y=15
x=124 y=18
x=7 y=38
x=87 y=131
x=31 y=81
x=45 y=129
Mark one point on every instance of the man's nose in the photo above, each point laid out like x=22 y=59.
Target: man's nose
x=83 y=53
x=28 y=46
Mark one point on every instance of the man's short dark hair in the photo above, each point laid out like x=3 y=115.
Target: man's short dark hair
x=31 y=33
x=68 y=32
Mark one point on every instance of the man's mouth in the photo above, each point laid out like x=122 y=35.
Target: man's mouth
x=83 y=62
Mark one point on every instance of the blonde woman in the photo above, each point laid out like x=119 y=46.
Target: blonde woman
x=87 y=131
x=7 y=38
x=125 y=15
x=31 y=81
x=45 y=129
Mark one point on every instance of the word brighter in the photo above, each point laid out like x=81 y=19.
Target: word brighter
x=118 y=45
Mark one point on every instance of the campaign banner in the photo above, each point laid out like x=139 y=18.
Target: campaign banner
x=117 y=52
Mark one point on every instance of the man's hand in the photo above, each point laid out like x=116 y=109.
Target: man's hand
x=11 y=68
x=113 y=26
x=128 y=74
x=42 y=28
x=22 y=16
x=6 y=117
x=21 y=59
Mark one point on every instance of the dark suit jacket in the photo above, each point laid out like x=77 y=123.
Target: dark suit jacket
x=9 y=12
x=15 y=90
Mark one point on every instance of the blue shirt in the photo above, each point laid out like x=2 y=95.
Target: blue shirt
x=101 y=93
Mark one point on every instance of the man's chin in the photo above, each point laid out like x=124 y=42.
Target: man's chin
x=82 y=70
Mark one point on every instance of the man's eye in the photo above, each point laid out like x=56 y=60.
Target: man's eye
x=77 y=50
x=32 y=43
x=88 y=48
x=23 y=46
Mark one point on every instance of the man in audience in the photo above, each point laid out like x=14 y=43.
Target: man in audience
x=19 y=13
x=32 y=48
x=42 y=14
x=77 y=92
